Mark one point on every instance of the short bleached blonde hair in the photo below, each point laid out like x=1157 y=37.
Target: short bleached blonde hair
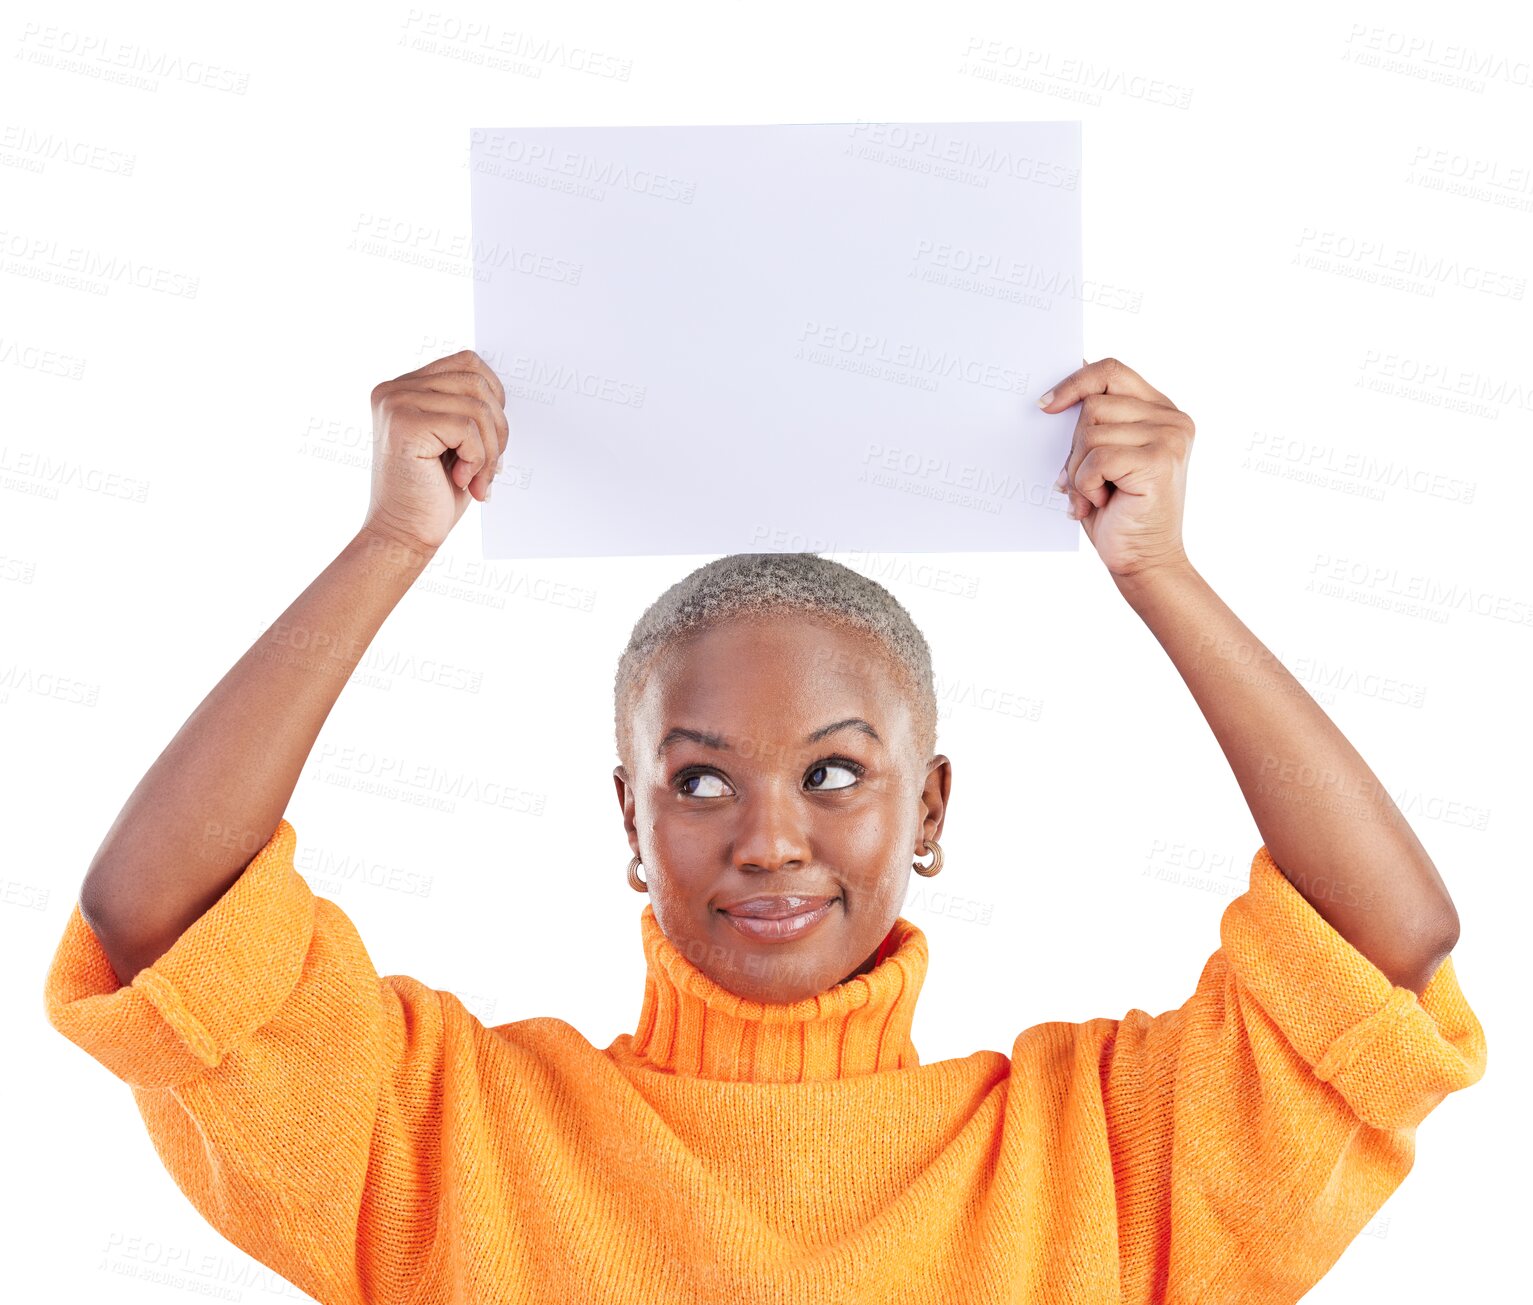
x=776 y=586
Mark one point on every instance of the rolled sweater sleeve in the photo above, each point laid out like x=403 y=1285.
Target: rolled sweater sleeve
x=292 y=1094
x=1255 y=1130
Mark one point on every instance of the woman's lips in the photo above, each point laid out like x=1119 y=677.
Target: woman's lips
x=774 y=906
x=778 y=928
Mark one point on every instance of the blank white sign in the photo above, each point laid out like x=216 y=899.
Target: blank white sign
x=808 y=337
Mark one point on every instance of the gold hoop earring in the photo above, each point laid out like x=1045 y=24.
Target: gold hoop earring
x=638 y=885
x=936 y=862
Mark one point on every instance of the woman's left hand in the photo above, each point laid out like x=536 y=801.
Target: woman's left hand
x=1126 y=476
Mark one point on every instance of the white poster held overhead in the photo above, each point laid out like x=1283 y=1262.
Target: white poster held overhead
x=810 y=337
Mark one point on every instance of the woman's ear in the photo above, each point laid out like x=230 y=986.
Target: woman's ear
x=934 y=795
x=625 y=800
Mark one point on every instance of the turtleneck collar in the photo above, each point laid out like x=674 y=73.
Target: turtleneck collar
x=690 y=1025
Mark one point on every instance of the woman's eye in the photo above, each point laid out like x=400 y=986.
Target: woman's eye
x=823 y=768
x=699 y=779
x=693 y=785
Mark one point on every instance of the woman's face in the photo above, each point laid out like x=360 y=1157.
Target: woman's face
x=742 y=790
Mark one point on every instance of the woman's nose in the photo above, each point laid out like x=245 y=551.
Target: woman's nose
x=771 y=833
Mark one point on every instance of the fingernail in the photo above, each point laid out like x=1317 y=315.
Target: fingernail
x=1046 y=399
x=1059 y=484
x=488 y=490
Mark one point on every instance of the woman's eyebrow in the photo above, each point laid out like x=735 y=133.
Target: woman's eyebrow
x=855 y=722
x=709 y=740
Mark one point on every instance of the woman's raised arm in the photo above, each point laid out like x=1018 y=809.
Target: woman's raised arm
x=214 y=796
x=1326 y=820
x=294 y=1094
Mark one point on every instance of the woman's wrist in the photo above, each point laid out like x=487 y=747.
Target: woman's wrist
x=1146 y=581
x=390 y=555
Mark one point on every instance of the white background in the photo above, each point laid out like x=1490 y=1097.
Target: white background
x=178 y=467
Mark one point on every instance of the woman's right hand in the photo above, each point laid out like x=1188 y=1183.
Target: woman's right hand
x=438 y=435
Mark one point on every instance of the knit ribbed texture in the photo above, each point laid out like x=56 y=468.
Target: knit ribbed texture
x=371 y=1141
x=690 y=1025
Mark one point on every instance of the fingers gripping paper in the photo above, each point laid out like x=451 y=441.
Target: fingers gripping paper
x=813 y=337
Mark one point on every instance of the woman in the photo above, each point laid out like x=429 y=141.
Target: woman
x=767 y=1132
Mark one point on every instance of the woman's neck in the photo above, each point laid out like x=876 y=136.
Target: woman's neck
x=689 y=1025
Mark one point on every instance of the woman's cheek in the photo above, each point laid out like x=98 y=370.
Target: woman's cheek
x=870 y=869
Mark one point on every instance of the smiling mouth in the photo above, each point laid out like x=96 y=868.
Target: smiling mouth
x=779 y=928
x=778 y=906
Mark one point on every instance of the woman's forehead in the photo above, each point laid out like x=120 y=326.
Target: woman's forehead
x=789 y=672
x=798 y=651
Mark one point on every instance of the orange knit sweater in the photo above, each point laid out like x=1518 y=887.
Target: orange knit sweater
x=372 y=1141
